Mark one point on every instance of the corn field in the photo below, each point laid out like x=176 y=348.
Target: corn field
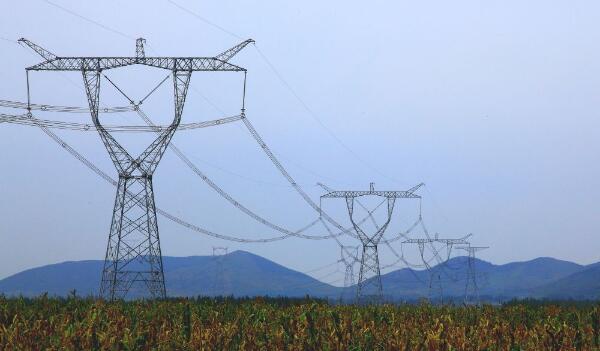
x=282 y=324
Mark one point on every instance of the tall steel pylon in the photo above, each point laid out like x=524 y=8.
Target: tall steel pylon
x=133 y=256
x=219 y=254
x=471 y=287
x=369 y=278
x=349 y=257
x=435 y=280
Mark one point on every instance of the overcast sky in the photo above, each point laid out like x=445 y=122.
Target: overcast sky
x=493 y=104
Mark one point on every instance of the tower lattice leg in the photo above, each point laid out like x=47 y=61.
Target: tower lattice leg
x=133 y=264
x=369 y=278
x=348 y=280
x=471 y=288
x=133 y=260
x=436 y=290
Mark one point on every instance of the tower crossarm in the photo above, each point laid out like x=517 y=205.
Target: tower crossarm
x=47 y=55
x=459 y=241
x=104 y=63
x=325 y=187
x=418 y=241
x=133 y=260
x=389 y=194
x=85 y=63
x=229 y=53
x=370 y=271
x=453 y=241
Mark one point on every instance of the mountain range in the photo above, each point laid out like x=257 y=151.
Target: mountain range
x=245 y=274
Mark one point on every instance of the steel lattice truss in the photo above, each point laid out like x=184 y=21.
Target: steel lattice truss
x=435 y=282
x=189 y=64
x=471 y=287
x=133 y=255
x=349 y=257
x=407 y=194
x=134 y=187
x=369 y=278
x=219 y=253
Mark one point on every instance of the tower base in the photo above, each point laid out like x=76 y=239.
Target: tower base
x=133 y=264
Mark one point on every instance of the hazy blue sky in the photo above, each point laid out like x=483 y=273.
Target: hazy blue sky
x=493 y=104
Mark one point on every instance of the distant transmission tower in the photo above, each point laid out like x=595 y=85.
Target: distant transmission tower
x=219 y=254
x=369 y=278
x=471 y=288
x=349 y=257
x=435 y=280
x=133 y=255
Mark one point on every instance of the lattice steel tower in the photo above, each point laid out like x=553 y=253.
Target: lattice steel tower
x=435 y=281
x=349 y=257
x=471 y=287
x=133 y=256
x=219 y=254
x=369 y=278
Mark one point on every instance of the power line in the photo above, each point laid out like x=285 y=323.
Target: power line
x=370 y=273
x=166 y=214
x=73 y=13
x=320 y=267
x=434 y=284
x=197 y=16
x=249 y=127
x=315 y=116
x=196 y=170
x=329 y=131
x=471 y=287
x=238 y=175
x=67 y=109
x=223 y=193
x=289 y=88
x=214 y=186
x=9 y=40
x=133 y=256
x=28 y=119
x=273 y=159
x=203 y=19
x=229 y=197
x=269 y=153
x=293 y=92
x=400 y=258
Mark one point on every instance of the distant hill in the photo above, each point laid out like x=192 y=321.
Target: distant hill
x=56 y=279
x=518 y=278
x=246 y=274
x=512 y=280
x=582 y=285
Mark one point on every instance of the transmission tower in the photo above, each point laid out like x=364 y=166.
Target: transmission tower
x=133 y=255
x=369 y=278
x=349 y=257
x=471 y=288
x=435 y=280
x=219 y=254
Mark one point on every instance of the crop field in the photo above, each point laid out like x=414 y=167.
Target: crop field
x=282 y=324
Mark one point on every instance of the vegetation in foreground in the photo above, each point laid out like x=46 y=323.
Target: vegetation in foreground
x=283 y=324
